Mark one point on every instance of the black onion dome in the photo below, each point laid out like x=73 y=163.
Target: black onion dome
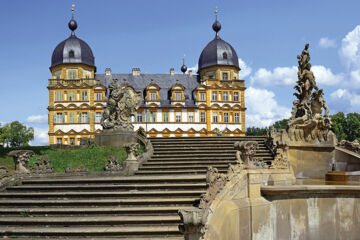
x=183 y=68
x=218 y=52
x=72 y=50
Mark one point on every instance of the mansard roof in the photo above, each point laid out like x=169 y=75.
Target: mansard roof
x=164 y=81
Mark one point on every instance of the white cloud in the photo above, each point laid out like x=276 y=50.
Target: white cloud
x=37 y=119
x=194 y=69
x=325 y=76
x=350 y=49
x=345 y=100
x=280 y=76
x=327 y=43
x=245 y=69
x=263 y=110
x=41 y=137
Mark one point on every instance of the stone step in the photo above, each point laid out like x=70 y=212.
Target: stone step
x=183 y=167
x=101 y=202
x=188 y=171
x=89 y=231
x=199 y=163
x=90 y=220
x=199 y=144
x=213 y=138
x=203 y=154
x=89 y=211
x=206 y=158
x=98 y=187
x=114 y=180
x=207 y=150
x=92 y=195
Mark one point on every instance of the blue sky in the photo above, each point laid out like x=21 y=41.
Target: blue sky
x=154 y=35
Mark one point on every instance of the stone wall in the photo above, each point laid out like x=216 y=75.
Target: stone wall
x=346 y=160
x=264 y=204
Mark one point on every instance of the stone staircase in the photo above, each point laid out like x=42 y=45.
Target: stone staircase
x=143 y=206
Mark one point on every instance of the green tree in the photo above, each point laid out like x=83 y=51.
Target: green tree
x=353 y=126
x=281 y=124
x=255 y=131
x=346 y=126
x=15 y=134
x=339 y=125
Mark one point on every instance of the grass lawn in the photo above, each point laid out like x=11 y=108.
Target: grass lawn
x=94 y=159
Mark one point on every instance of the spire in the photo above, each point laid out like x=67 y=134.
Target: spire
x=184 y=67
x=216 y=25
x=72 y=24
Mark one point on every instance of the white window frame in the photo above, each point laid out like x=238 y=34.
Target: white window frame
x=215 y=117
x=202 y=96
x=191 y=116
x=214 y=96
x=226 y=117
x=237 y=117
x=178 y=116
x=203 y=117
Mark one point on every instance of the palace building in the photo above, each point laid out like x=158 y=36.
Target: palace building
x=208 y=103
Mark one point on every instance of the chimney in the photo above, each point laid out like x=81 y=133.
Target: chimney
x=107 y=71
x=190 y=72
x=172 y=71
x=136 y=71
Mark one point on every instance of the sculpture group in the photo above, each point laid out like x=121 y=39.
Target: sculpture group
x=123 y=102
x=310 y=115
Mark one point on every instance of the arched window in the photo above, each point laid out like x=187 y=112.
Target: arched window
x=225 y=55
x=71 y=54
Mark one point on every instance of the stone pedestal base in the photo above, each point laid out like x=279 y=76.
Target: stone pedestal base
x=115 y=138
x=311 y=160
x=131 y=166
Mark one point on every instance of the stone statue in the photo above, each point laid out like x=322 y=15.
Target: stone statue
x=21 y=159
x=123 y=102
x=307 y=120
x=42 y=165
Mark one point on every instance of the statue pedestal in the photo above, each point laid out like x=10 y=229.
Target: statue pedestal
x=115 y=138
x=312 y=159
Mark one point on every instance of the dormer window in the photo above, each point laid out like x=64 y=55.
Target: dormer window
x=225 y=55
x=152 y=92
x=71 y=54
x=177 y=96
x=225 y=76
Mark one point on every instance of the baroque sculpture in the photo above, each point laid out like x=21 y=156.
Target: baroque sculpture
x=113 y=165
x=21 y=159
x=42 y=165
x=122 y=103
x=245 y=154
x=307 y=121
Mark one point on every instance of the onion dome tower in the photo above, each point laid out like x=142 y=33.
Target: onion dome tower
x=218 y=52
x=72 y=50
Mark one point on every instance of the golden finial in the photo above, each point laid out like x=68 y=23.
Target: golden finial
x=184 y=58
x=216 y=10
x=72 y=9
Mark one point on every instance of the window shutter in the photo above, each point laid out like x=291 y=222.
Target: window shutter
x=94 y=117
x=63 y=117
x=79 y=118
x=88 y=117
x=54 y=117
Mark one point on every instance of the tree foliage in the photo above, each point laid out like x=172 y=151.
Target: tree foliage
x=255 y=131
x=281 y=124
x=15 y=134
x=346 y=127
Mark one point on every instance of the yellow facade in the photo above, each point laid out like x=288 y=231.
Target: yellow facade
x=76 y=101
